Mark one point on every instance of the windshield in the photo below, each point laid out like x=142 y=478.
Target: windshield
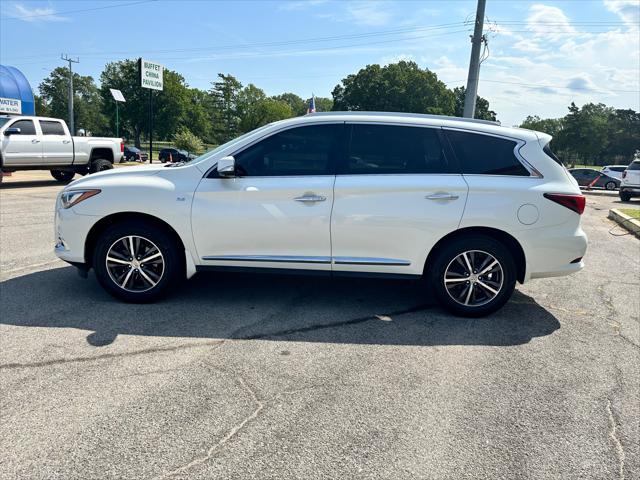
x=230 y=143
x=3 y=120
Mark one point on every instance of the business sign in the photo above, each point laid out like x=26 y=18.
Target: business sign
x=10 y=105
x=117 y=95
x=150 y=74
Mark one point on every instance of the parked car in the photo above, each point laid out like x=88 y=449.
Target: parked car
x=630 y=186
x=134 y=154
x=467 y=204
x=174 y=155
x=41 y=143
x=587 y=176
x=614 y=171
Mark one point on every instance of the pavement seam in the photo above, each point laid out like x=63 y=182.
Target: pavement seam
x=616 y=441
x=234 y=431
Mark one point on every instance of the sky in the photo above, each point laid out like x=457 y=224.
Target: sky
x=542 y=55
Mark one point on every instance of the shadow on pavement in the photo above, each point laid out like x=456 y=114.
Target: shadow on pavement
x=31 y=184
x=268 y=307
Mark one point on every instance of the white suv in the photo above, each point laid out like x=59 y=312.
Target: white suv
x=630 y=186
x=469 y=205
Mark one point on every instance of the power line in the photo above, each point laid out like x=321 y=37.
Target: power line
x=55 y=14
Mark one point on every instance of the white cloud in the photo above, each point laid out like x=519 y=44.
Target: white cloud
x=627 y=10
x=548 y=22
x=371 y=13
x=33 y=15
x=300 y=5
x=581 y=81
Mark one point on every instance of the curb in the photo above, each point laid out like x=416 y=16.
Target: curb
x=601 y=193
x=625 y=221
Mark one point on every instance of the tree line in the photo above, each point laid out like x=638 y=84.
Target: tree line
x=594 y=134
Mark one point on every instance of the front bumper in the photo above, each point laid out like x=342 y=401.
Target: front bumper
x=71 y=230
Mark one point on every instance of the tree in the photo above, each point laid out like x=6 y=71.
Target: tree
x=399 y=87
x=41 y=106
x=298 y=105
x=323 y=104
x=482 y=105
x=87 y=103
x=185 y=140
x=225 y=94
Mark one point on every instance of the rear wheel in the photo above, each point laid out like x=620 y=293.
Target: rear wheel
x=473 y=276
x=63 y=176
x=99 y=165
x=610 y=185
x=137 y=262
x=625 y=197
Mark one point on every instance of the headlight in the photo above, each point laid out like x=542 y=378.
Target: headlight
x=74 y=197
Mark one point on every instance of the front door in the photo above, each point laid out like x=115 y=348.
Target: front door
x=24 y=148
x=276 y=212
x=396 y=195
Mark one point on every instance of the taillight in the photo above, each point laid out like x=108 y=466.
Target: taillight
x=122 y=146
x=572 y=202
x=624 y=174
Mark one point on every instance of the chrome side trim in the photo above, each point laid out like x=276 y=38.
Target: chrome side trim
x=268 y=258
x=370 y=261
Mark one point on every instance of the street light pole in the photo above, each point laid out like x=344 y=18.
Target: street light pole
x=66 y=58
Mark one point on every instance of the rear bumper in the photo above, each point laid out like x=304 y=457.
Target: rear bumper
x=635 y=189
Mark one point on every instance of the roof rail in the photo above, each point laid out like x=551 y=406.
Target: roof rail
x=410 y=115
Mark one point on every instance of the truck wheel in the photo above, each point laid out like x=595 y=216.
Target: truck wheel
x=62 y=176
x=137 y=262
x=624 y=196
x=99 y=165
x=473 y=276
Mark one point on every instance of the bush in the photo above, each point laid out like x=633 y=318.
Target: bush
x=185 y=140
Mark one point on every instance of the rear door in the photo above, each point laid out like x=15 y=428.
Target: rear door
x=57 y=147
x=275 y=213
x=24 y=148
x=397 y=193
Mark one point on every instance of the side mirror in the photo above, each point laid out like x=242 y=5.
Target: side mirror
x=227 y=167
x=12 y=131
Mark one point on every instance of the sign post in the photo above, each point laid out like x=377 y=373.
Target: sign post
x=118 y=97
x=151 y=77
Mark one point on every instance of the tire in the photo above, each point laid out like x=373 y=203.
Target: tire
x=63 y=176
x=624 y=196
x=100 y=165
x=610 y=185
x=127 y=281
x=454 y=295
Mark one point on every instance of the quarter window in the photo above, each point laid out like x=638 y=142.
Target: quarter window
x=485 y=155
x=51 y=128
x=26 y=127
x=298 y=151
x=634 y=166
x=391 y=149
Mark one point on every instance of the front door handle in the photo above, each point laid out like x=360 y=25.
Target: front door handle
x=35 y=140
x=66 y=141
x=442 y=196
x=310 y=198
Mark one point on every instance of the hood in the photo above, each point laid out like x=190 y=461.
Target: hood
x=115 y=174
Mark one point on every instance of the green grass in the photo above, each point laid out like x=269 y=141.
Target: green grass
x=632 y=212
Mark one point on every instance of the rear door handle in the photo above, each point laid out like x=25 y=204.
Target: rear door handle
x=35 y=140
x=310 y=198
x=442 y=196
x=66 y=141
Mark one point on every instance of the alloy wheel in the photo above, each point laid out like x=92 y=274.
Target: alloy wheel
x=473 y=278
x=135 y=263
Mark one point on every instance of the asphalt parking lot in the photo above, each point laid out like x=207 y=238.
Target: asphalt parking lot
x=265 y=377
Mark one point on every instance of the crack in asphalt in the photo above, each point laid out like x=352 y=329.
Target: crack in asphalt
x=616 y=441
x=173 y=348
x=234 y=431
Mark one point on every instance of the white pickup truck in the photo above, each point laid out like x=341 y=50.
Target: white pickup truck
x=40 y=143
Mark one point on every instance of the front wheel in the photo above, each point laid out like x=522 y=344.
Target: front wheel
x=137 y=262
x=62 y=176
x=473 y=276
x=610 y=185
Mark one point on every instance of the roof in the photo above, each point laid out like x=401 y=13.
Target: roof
x=14 y=85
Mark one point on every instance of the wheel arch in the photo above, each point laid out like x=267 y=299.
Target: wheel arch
x=503 y=237
x=101 y=152
x=113 y=219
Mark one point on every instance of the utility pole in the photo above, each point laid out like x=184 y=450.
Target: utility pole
x=66 y=58
x=474 y=63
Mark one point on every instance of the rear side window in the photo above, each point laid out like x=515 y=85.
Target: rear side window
x=26 y=127
x=391 y=149
x=634 y=166
x=617 y=169
x=485 y=155
x=51 y=128
x=298 y=151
